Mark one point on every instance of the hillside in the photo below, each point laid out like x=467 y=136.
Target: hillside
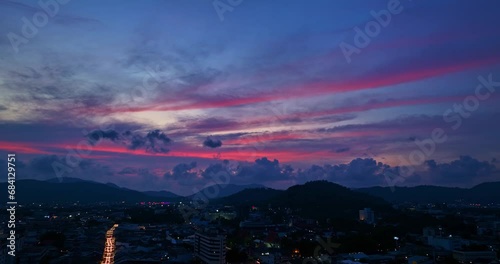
x=33 y=191
x=482 y=193
x=323 y=199
x=317 y=200
x=162 y=194
x=225 y=190
x=256 y=196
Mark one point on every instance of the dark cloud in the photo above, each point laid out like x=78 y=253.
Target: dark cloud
x=136 y=141
x=128 y=171
x=183 y=173
x=431 y=164
x=157 y=135
x=3 y=108
x=153 y=142
x=315 y=172
x=212 y=143
x=342 y=150
x=20 y=165
x=465 y=170
x=357 y=172
x=213 y=169
x=262 y=170
x=361 y=168
x=140 y=176
x=97 y=135
x=53 y=166
x=44 y=164
x=360 y=172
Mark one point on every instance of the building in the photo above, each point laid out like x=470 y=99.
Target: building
x=367 y=215
x=5 y=258
x=429 y=232
x=210 y=247
x=470 y=256
x=420 y=260
x=33 y=255
x=446 y=243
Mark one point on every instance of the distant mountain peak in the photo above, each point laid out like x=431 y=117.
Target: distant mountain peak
x=163 y=194
x=228 y=189
x=482 y=193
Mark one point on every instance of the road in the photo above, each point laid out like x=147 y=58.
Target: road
x=108 y=257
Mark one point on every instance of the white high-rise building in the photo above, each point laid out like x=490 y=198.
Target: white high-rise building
x=210 y=247
x=366 y=215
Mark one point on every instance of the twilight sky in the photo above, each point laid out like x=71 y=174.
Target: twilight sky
x=162 y=95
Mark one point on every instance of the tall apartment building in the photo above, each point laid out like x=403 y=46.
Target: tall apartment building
x=210 y=247
x=366 y=215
